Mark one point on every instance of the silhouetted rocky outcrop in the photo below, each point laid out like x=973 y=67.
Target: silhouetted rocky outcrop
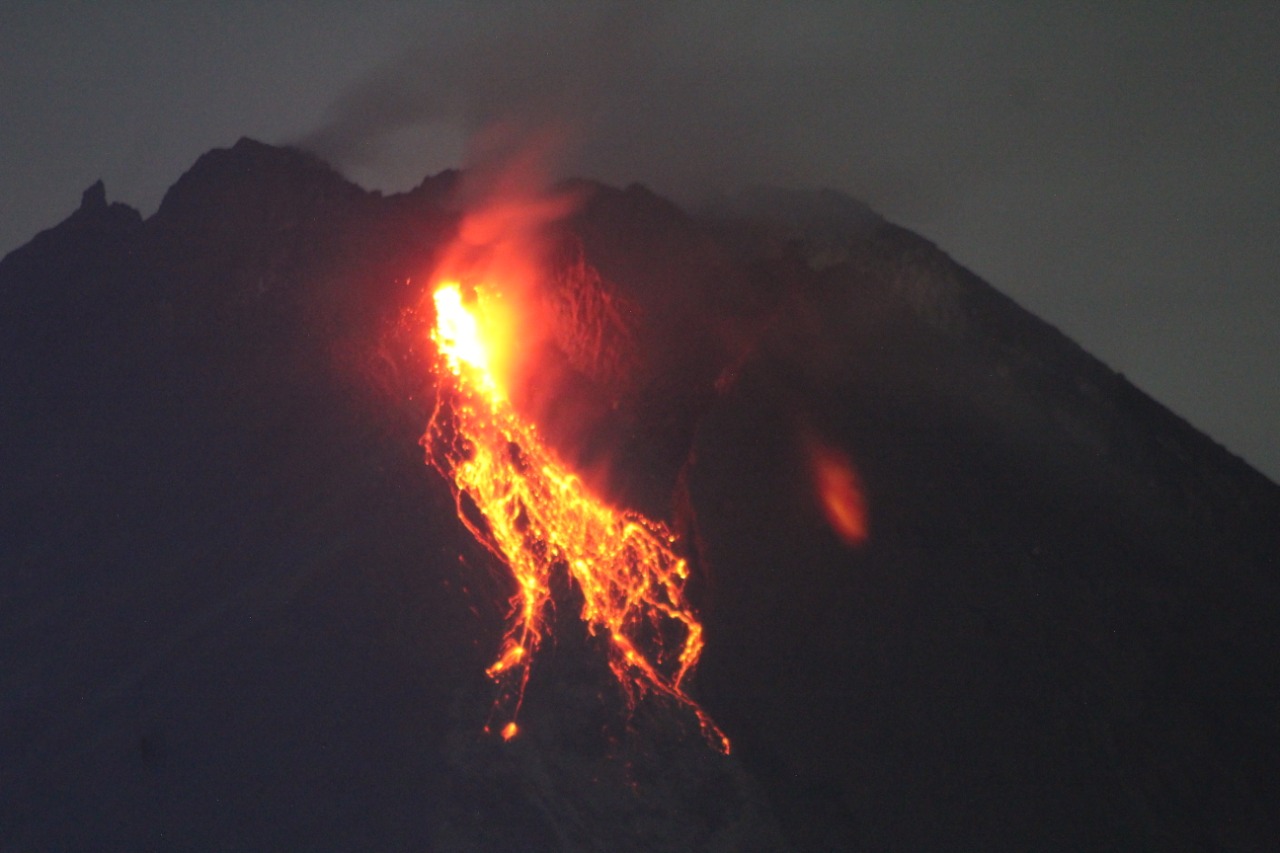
x=238 y=611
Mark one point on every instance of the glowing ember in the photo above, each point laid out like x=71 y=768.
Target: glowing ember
x=839 y=492
x=538 y=518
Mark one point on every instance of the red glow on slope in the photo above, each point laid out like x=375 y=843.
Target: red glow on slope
x=839 y=492
x=535 y=514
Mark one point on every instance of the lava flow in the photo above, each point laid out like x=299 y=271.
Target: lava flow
x=538 y=517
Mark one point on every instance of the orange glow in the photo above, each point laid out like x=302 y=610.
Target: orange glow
x=462 y=342
x=839 y=492
x=538 y=517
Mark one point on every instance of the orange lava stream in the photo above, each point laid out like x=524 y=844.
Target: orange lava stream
x=539 y=517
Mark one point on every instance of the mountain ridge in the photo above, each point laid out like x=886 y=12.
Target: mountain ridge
x=229 y=578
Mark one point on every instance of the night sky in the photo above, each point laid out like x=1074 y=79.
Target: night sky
x=1113 y=167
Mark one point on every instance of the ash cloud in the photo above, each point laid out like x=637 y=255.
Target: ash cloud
x=685 y=101
x=492 y=73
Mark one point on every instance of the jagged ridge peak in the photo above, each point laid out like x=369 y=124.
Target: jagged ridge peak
x=266 y=176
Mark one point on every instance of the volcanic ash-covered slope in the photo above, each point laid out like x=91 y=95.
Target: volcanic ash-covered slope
x=237 y=610
x=1060 y=633
x=212 y=565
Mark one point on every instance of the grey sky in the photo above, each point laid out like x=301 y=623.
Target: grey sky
x=1115 y=168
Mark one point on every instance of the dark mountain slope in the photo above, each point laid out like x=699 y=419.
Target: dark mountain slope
x=1059 y=634
x=234 y=614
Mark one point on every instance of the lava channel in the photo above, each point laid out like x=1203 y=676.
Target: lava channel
x=540 y=518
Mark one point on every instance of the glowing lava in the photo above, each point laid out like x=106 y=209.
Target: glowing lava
x=538 y=517
x=839 y=492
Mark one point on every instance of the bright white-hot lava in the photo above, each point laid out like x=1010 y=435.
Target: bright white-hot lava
x=539 y=518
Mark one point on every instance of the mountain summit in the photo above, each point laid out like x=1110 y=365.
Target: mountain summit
x=963 y=586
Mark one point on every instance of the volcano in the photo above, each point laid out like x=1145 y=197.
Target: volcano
x=961 y=586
